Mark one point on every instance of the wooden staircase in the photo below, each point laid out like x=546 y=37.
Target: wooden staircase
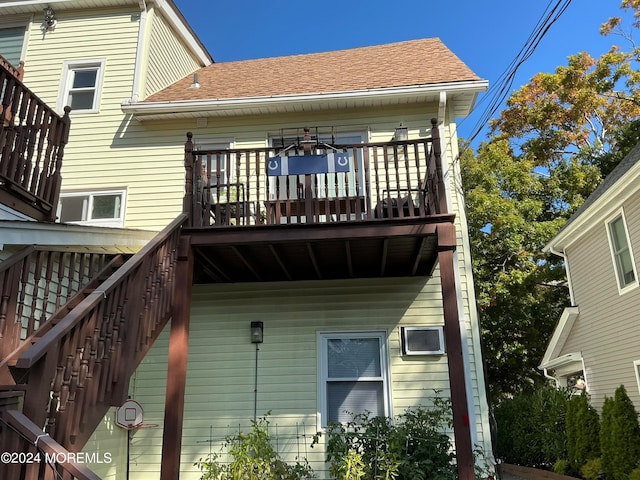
x=61 y=372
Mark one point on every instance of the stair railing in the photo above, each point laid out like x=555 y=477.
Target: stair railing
x=82 y=366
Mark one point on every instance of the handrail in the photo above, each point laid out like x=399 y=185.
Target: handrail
x=81 y=367
x=246 y=186
x=17 y=72
x=71 y=320
x=48 y=447
x=32 y=141
x=38 y=280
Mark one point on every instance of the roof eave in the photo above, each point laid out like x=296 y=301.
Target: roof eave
x=211 y=107
x=615 y=195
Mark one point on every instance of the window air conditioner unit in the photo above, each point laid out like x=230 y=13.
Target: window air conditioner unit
x=422 y=340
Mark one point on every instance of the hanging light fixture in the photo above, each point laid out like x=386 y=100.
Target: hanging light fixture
x=49 y=19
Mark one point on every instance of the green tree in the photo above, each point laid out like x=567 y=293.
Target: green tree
x=619 y=436
x=583 y=432
x=549 y=149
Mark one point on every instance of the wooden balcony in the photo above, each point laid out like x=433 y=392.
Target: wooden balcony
x=315 y=211
x=32 y=140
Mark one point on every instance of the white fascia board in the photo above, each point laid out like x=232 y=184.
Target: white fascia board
x=566 y=359
x=559 y=337
x=211 y=105
x=16 y=232
x=184 y=31
x=615 y=196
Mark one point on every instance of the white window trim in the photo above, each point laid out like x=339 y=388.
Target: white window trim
x=622 y=289
x=323 y=367
x=19 y=21
x=68 y=67
x=101 y=222
x=636 y=368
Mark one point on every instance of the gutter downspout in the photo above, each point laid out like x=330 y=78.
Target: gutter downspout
x=563 y=254
x=137 y=72
x=545 y=371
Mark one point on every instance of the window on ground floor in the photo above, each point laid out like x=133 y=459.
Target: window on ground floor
x=103 y=208
x=354 y=375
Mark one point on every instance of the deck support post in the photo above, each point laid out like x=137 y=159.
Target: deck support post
x=453 y=343
x=177 y=364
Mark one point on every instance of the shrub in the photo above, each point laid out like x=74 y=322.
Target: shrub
x=414 y=447
x=531 y=428
x=254 y=458
x=619 y=436
x=635 y=474
x=583 y=433
x=592 y=470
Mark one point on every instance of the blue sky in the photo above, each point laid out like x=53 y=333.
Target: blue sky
x=486 y=35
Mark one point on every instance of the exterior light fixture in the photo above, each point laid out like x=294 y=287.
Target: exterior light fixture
x=49 y=19
x=257 y=332
x=402 y=133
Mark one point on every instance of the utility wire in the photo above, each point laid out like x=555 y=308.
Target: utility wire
x=498 y=93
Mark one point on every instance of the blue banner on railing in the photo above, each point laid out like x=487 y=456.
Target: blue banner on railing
x=308 y=164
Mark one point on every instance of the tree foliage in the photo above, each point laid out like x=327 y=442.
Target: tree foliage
x=619 y=436
x=548 y=150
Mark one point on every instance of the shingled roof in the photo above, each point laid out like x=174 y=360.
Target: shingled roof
x=403 y=64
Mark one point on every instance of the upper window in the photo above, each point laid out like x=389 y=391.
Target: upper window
x=12 y=43
x=81 y=85
x=354 y=373
x=93 y=208
x=622 y=256
x=636 y=367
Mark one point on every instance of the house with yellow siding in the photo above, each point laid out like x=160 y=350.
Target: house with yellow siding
x=314 y=199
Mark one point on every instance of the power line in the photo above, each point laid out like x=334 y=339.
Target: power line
x=497 y=94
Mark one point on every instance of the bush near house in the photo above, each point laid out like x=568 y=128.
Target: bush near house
x=415 y=446
x=253 y=458
x=619 y=436
x=551 y=428
x=531 y=428
x=583 y=433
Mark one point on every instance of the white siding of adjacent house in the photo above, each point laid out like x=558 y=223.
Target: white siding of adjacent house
x=607 y=331
x=220 y=381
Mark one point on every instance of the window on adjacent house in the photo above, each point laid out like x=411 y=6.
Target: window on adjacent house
x=354 y=372
x=12 y=43
x=81 y=85
x=636 y=367
x=621 y=251
x=93 y=208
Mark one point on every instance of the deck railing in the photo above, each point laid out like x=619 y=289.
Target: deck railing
x=34 y=283
x=344 y=183
x=32 y=141
x=81 y=367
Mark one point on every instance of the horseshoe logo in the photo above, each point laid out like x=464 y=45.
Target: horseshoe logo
x=343 y=160
x=273 y=164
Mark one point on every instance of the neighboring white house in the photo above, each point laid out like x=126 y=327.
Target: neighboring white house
x=595 y=344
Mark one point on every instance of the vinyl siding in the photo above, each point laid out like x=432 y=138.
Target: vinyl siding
x=220 y=379
x=606 y=317
x=168 y=58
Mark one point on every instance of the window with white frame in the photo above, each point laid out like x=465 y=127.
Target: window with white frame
x=104 y=208
x=623 y=262
x=354 y=375
x=12 y=39
x=82 y=85
x=636 y=367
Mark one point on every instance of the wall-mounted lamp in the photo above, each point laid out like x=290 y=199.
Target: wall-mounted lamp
x=49 y=19
x=257 y=332
x=402 y=133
